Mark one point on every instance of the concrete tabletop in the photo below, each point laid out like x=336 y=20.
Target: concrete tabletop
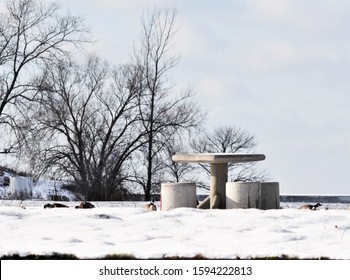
x=217 y=157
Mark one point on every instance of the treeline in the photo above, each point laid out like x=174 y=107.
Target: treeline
x=108 y=128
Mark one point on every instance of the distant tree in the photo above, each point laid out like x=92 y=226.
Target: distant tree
x=163 y=112
x=31 y=33
x=229 y=140
x=85 y=124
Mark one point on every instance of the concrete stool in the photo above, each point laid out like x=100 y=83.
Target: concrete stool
x=243 y=195
x=270 y=195
x=175 y=195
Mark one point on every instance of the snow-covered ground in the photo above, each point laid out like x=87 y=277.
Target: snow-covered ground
x=126 y=228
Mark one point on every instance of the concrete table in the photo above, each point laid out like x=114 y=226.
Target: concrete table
x=218 y=172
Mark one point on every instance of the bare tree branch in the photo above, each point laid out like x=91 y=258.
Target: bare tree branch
x=31 y=32
x=162 y=114
x=229 y=140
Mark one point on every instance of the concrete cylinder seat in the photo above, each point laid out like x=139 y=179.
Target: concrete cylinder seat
x=175 y=195
x=270 y=195
x=243 y=195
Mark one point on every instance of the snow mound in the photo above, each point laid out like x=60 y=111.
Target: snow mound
x=182 y=232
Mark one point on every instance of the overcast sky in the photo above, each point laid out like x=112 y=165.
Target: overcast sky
x=276 y=68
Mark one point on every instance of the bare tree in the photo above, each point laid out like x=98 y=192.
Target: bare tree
x=86 y=124
x=229 y=140
x=31 y=33
x=164 y=169
x=163 y=112
x=177 y=172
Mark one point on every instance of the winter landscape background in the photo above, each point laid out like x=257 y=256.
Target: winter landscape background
x=273 y=73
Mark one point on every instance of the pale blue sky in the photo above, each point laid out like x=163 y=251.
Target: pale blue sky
x=278 y=68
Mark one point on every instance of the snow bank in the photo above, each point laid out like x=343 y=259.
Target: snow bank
x=21 y=186
x=25 y=188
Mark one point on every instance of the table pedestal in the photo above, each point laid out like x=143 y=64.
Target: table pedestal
x=218 y=179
